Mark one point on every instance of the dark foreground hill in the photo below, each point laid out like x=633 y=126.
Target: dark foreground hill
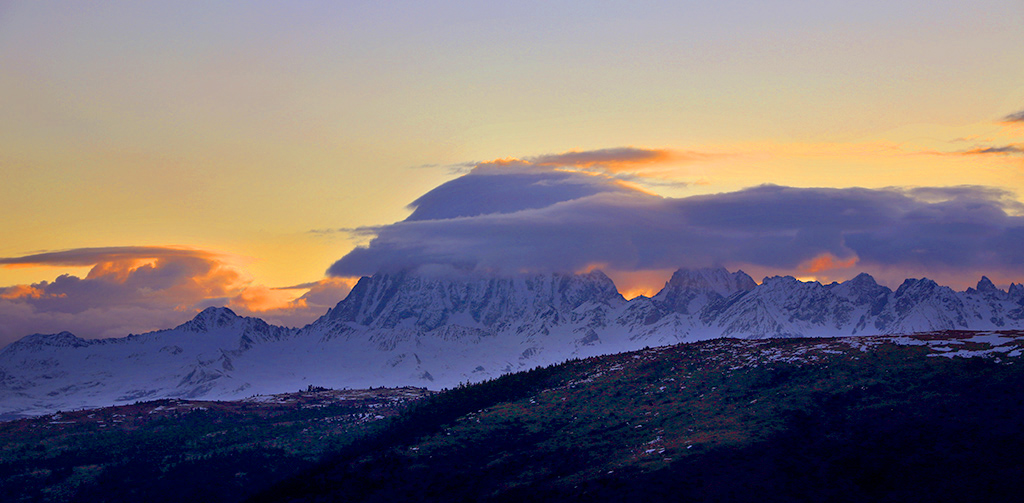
x=184 y=450
x=927 y=417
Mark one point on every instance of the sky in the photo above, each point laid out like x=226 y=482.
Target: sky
x=162 y=157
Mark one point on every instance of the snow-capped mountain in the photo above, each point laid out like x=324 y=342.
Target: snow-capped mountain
x=401 y=301
x=403 y=329
x=44 y=372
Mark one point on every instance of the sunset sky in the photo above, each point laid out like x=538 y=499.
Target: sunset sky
x=162 y=157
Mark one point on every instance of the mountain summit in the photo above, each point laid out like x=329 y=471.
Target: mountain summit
x=689 y=290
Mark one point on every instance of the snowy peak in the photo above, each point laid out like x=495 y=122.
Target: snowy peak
x=862 y=281
x=783 y=283
x=917 y=288
x=39 y=342
x=209 y=319
x=783 y=306
x=426 y=303
x=863 y=290
x=690 y=290
x=787 y=289
x=227 y=324
x=718 y=280
x=574 y=290
x=987 y=289
x=1016 y=291
x=985 y=285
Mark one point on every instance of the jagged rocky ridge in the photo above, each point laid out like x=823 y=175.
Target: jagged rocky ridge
x=401 y=329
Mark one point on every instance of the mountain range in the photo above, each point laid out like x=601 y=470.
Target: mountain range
x=402 y=329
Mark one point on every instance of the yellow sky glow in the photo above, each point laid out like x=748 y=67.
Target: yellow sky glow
x=259 y=130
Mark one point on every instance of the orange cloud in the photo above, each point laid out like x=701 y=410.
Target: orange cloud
x=180 y=277
x=259 y=299
x=623 y=163
x=326 y=283
x=283 y=306
x=632 y=284
x=156 y=285
x=21 y=292
x=589 y=268
x=317 y=295
x=119 y=270
x=141 y=288
x=826 y=262
x=613 y=159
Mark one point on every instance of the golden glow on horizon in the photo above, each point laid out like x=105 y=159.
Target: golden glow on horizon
x=261 y=299
x=826 y=262
x=636 y=292
x=635 y=283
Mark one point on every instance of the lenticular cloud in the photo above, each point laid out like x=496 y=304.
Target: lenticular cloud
x=527 y=217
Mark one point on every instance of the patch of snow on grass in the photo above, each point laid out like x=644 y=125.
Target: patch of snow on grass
x=992 y=339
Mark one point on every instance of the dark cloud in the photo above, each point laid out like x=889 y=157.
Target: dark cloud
x=541 y=181
x=91 y=256
x=619 y=228
x=1015 y=117
x=507 y=187
x=1005 y=198
x=642 y=166
x=1000 y=150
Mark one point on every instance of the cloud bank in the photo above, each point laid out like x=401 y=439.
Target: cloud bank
x=530 y=217
x=138 y=289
